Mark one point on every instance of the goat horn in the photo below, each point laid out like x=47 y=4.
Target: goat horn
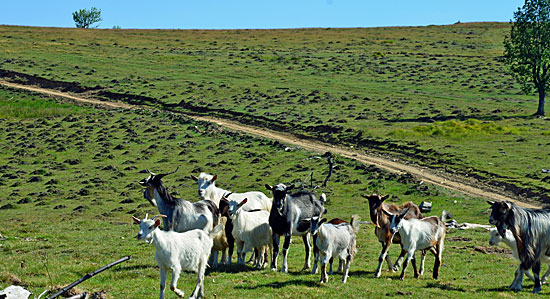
x=146 y=215
x=149 y=171
x=165 y=174
x=162 y=216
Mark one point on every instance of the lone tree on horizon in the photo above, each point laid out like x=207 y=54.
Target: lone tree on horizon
x=527 y=49
x=83 y=18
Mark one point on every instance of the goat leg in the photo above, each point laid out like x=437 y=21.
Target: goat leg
x=276 y=239
x=383 y=256
x=545 y=276
x=230 y=241
x=316 y=256
x=406 y=263
x=286 y=244
x=346 y=268
x=398 y=261
x=536 y=273
x=307 y=246
x=415 y=269
x=174 y=283
x=162 y=281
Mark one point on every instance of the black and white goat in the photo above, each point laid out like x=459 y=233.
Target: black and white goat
x=423 y=234
x=335 y=241
x=178 y=252
x=509 y=240
x=531 y=230
x=290 y=216
x=181 y=215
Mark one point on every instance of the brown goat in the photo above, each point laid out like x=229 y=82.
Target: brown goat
x=220 y=244
x=383 y=222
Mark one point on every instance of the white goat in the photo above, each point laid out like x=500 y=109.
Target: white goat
x=207 y=190
x=419 y=234
x=335 y=240
x=178 y=251
x=251 y=230
x=511 y=242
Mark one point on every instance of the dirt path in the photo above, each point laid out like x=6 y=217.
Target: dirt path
x=427 y=175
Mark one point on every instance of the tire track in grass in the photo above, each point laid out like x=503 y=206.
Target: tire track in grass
x=451 y=182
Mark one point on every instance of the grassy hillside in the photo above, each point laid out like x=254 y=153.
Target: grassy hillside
x=436 y=95
x=68 y=187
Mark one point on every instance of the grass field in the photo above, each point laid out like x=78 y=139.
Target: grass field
x=68 y=188
x=437 y=96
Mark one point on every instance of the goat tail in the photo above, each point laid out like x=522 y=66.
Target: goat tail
x=355 y=219
x=444 y=216
x=323 y=198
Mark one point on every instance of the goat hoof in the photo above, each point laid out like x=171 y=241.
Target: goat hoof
x=395 y=269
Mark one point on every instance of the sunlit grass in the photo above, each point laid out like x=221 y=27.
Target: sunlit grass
x=460 y=129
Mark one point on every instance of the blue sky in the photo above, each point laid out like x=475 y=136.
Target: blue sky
x=233 y=14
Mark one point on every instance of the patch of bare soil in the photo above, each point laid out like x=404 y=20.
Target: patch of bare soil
x=439 y=178
x=492 y=250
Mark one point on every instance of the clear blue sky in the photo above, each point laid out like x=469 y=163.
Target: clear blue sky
x=232 y=14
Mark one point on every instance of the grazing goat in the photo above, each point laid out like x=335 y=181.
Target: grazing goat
x=531 y=230
x=382 y=230
x=290 y=215
x=181 y=215
x=335 y=240
x=251 y=231
x=419 y=234
x=178 y=251
x=509 y=240
x=207 y=189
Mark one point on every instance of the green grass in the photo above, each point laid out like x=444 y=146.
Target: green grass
x=453 y=129
x=347 y=86
x=16 y=106
x=69 y=185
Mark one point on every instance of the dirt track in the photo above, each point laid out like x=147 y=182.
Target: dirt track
x=430 y=176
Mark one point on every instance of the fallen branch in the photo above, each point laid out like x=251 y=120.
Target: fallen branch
x=330 y=161
x=87 y=276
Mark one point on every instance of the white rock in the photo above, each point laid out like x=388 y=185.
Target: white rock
x=15 y=292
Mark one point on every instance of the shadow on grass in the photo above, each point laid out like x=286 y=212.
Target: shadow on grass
x=278 y=285
x=444 y=286
x=233 y=268
x=135 y=267
x=442 y=118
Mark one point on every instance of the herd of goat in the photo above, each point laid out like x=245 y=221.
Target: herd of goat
x=194 y=232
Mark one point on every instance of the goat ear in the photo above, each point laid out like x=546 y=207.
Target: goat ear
x=508 y=205
x=136 y=221
x=322 y=221
x=404 y=213
x=194 y=178
x=385 y=212
x=157 y=222
x=490 y=202
x=215 y=178
x=385 y=197
x=268 y=187
x=243 y=202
